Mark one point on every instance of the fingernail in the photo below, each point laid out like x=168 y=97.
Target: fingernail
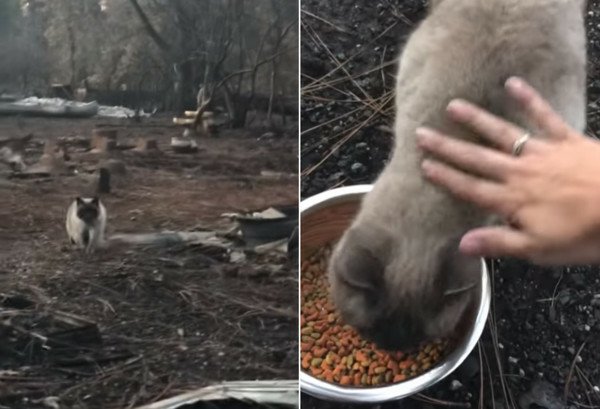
x=457 y=104
x=424 y=136
x=458 y=110
x=424 y=131
x=470 y=245
x=427 y=166
x=514 y=83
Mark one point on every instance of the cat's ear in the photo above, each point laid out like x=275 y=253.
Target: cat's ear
x=457 y=280
x=79 y=201
x=356 y=278
x=355 y=264
x=95 y=200
x=457 y=273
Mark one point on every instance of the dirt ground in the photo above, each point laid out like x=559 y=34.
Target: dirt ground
x=545 y=327
x=128 y=326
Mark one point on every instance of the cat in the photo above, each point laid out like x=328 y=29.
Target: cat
x=396 y=274
x=86 y=223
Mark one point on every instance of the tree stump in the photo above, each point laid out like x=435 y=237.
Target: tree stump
x=145 y=144
x=50 y=147
x=208 y=124
x=104 y=140
x=126 y=145
x=183 y=145
x=104 y=181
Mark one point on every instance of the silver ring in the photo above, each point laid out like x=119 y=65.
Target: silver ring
x=520 y=143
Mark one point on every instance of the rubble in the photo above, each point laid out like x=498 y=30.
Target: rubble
x=63 y=107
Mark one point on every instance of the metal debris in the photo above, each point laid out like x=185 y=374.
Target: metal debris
x=261 y=392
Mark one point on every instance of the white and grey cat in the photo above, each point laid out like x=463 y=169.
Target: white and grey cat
x=396 y=273
x=86 y=223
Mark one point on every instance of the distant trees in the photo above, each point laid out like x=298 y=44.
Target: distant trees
x=231 y=47
x=22 y=57
x=9 y=15
x=237 y=49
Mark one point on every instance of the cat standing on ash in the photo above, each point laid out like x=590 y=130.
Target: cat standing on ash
x=86 y=223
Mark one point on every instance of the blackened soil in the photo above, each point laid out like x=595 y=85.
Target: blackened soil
x=543 y=317
x=150 y=323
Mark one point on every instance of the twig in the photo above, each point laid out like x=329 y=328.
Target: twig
x=581 y=405
x=164 y=391
x=494 y=335
x=342 y=142
x=552 y=309
x=427 y=399
x=365 y=47
x=481 y=388
x=570 y=375
x=321 y=19
x=489 y=369
x=584 y=381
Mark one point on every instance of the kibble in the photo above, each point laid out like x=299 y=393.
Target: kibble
x=335 y=353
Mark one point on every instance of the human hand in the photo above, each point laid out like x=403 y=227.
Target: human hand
x=549 y=194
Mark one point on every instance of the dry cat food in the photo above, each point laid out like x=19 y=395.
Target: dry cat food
x=334 y=352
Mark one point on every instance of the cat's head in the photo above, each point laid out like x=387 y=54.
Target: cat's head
x=88 y=209
x=400 y=300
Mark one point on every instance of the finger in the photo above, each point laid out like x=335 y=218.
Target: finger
x=485 y=194
x=468 y=156
x=500 y=241
x=537 y=109
x=496 y=130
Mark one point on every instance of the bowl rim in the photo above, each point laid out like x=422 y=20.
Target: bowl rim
x=449 y=364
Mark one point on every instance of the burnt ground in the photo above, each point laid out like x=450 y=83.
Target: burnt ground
x=128 y=326
x=543 y=317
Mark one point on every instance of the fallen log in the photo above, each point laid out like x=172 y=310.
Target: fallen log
x=206 y=238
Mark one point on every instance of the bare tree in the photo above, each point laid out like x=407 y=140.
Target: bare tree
x=237 y=50
x=23 y=64
x=223 y=49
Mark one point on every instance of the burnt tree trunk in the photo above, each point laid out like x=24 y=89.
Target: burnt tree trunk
x=176 y=77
